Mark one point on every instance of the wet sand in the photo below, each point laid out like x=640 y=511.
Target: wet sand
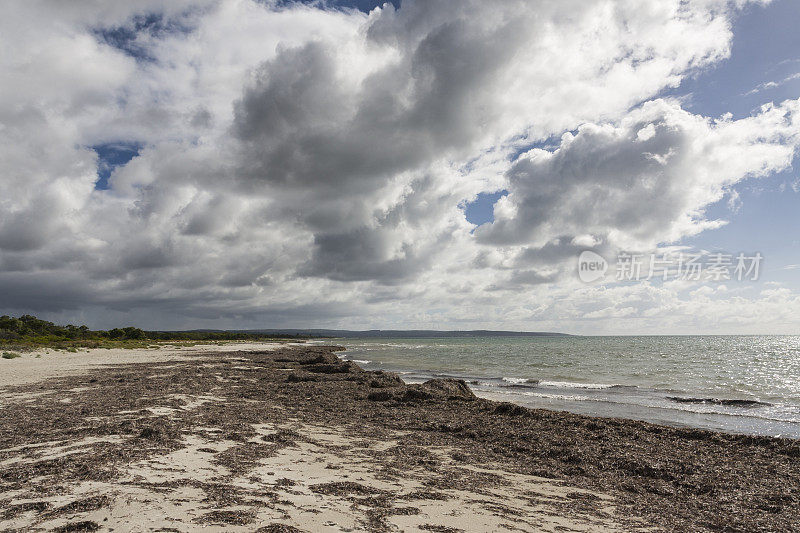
x=290 y=438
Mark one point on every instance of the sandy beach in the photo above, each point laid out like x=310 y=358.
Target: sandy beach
x=44 y=363
x=255 y=437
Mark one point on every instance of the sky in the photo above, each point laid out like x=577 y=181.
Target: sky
x=415 y=164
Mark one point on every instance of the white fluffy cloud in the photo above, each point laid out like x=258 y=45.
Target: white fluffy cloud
x=641 y=181
x=303 y=165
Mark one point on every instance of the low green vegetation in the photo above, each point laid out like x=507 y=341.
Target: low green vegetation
x=10 y=355
x=28 y=332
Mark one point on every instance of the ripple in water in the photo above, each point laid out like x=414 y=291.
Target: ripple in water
x=747 y=384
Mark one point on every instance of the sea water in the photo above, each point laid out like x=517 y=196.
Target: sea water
x=741 y=384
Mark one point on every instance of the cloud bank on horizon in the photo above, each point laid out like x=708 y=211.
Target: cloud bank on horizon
x=242 y=164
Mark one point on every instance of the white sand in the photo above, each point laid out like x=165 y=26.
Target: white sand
x=325 y=455
x=48 y=363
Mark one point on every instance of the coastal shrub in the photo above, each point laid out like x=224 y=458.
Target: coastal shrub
x=27 y=331
x=10 y=355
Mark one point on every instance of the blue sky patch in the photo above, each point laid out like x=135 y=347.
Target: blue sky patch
x=363 y=5
x=125 y=38
x=550 y=144
x=764 y=67
x=765 y=54
x=111 y=156
x=481 y=210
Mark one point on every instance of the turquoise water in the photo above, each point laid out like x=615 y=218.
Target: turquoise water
x=745 y=384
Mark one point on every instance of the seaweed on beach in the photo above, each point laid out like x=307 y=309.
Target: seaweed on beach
x=75 y=527
x=436 y=528
x=279 y=528
x=83 y=505
x=13 y=510
x=672 y=478
x=236 y=518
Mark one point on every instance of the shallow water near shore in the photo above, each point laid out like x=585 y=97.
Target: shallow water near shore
x=740 y=384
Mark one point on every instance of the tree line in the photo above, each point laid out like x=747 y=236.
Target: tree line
x=30 y=328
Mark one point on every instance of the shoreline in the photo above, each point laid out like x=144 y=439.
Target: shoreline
x=237 y=440
x=582 y=383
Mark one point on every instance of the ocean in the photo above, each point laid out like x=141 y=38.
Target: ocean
x=739 y=384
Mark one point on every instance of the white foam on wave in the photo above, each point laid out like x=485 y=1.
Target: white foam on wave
x=571 y=385
x=567 y=397
x=541 y=395
x=380 y=345
x=361 y=361
x=516 y=381
x=558 y=384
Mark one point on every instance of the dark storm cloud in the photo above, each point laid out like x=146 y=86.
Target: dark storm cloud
x=302 y=125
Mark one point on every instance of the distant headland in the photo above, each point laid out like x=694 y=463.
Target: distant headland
x=398 y=333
